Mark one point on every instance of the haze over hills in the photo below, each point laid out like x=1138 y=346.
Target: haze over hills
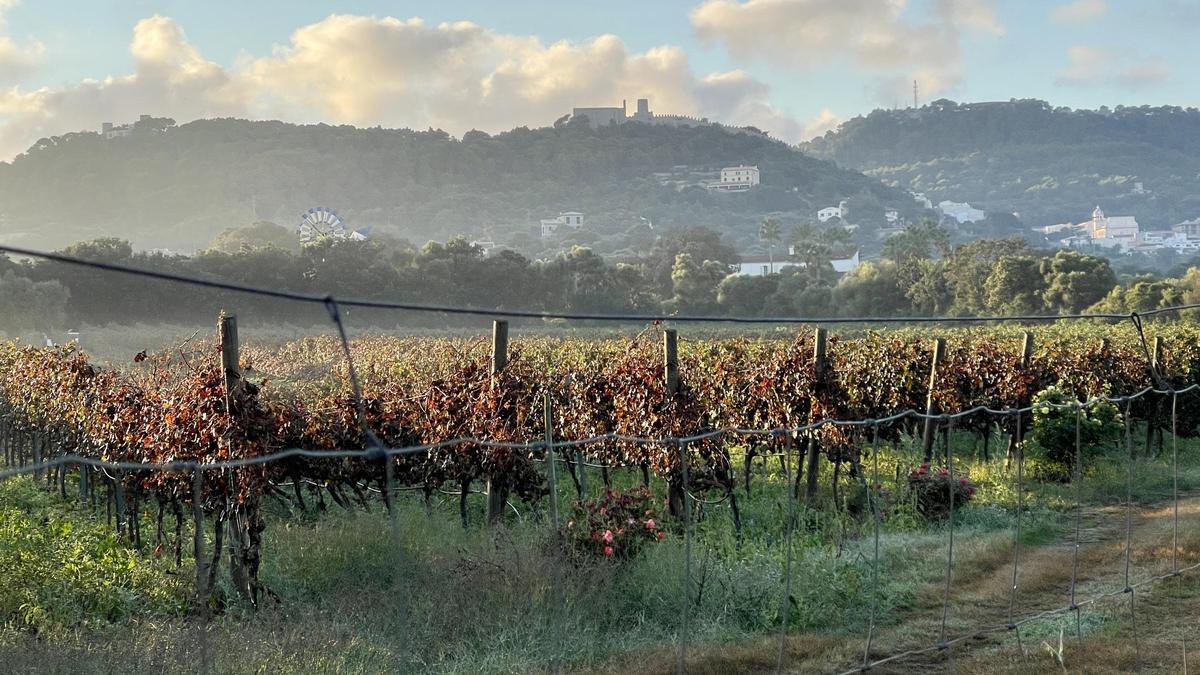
x=176 y=187
x=1049 y=164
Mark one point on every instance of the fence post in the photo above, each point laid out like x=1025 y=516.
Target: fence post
x=231 y=367
x=812 y=461
x=939 y=352
x=671 y=360
x=1153 y=417
x=496 y=492
x=551 y=458
x=1018 y=434
x=499 y=347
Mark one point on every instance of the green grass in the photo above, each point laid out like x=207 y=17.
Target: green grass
x=349 y=596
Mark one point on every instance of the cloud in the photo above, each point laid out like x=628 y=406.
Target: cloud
x=825 y=121
x=1089 y=66
x=879 y=36
x=1079 y=11
x=16 y=61
x=392 y=72
x=170 y=78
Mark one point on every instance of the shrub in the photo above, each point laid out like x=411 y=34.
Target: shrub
x=1052 y=433
x=931 y=490
x=616 y=525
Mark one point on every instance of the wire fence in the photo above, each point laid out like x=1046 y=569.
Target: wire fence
x=552 y=452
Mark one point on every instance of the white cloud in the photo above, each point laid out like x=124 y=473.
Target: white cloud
x=1099 y=66
x=825 y=121
x=880 y=36
x=392 y=72
x=16 y=60
x=1078 y=11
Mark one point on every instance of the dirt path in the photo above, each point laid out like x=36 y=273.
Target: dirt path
x=1167 y=613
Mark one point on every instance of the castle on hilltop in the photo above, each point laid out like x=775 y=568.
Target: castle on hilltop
x=604 y=116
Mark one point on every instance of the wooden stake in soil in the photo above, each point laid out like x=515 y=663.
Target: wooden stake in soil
x=939 y=352
x=497 y=495
x=671 y=360
x=812 y=461
x=231 y=367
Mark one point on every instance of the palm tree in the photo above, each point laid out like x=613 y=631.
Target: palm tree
x=769 y=232
x=814 y=246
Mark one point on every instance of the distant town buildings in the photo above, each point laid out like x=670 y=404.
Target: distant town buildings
x=892 y=216
x=961 y=212
x=110 y=130
x=572 y=219
x=738 y=178
x=920 y=198
x=605 y=115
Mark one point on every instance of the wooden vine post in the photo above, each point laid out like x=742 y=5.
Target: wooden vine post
x=497 y=493
x=1153 y=417
x=231 y=367
x=812 y=462
x=676 y=498
x=939 y=353
x=671 y=360
x=551 y=458
x=1021 y=428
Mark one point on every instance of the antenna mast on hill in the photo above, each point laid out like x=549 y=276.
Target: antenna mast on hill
x=915 y=94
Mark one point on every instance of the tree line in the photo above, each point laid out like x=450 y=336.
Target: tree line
x=685 y=271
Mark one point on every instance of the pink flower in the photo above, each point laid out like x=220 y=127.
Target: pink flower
x=608 y=551
x=962 y=481
x=608 y=536
x=650 y=524
x=661 y=535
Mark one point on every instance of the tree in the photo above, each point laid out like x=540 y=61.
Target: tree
x=701 y=243
x=31 y=305
x=969 y=266
x=926 y=239
x=1014 y=286
x=814 y=247
x=871 y=290
x=694 y=285
x=1074 y=281
x=260 y=234
x=746 y=295
x=769 y=232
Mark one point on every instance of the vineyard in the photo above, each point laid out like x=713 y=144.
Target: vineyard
x=211 y=436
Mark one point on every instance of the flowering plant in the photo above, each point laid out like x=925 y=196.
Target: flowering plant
x=615 y=525
x=932 y=488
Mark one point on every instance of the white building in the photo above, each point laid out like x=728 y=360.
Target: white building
x=891 y=216
x=111 y=131
x=760 y=265
x=572 y=219
x=740 y=178
x=1111 y=232
x=1160 y=239
x=1191 y=227
x=920 y=198
x=961 y=212
x=830 y=212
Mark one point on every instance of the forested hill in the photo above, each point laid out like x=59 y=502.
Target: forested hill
x=178 y=187
x=1050 y=164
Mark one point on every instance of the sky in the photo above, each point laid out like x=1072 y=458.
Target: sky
x=793 y=67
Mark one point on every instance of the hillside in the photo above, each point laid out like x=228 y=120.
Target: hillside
x=1049 y=164
x=179 y=187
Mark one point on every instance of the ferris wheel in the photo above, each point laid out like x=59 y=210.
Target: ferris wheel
x=320 y=222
